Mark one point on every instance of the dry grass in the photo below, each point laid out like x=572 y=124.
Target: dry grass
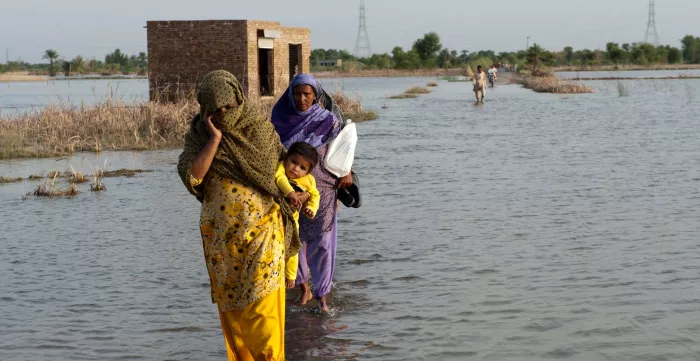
x=110 y=125
x=432 y=84
x=54 y=174
x=4 y=180
x=403 y=96
x=552 y=84
x=62 y=129
x=417 y=90
x=48 y=189
x=124 y=173
x=628 y=67
x=21 y=77
x=362 y=117
x=352 y=107
x=382 y=73
x=36 y=177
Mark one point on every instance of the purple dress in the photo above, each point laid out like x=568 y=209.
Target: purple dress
x=319 y=236
x=316 y=126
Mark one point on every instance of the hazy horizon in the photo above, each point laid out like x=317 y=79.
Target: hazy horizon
x=77 y=27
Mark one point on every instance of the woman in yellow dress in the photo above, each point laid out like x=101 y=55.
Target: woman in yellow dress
x=229 y=162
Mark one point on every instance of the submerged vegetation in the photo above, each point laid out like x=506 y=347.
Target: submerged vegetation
x=4 y=180
x=543 y=82
x=62 y=129
x=403 y=96
x=417 y=90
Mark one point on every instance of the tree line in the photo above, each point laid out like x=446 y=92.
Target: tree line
x=115 y=62
x=428 y=52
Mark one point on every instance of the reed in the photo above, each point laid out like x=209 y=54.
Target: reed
x=4 y=180
x=417 y=90
x=432 y=84
x=352 y=108
x=113 y=124
x=403 y=96
x=48 y=189
x=622 y=89
x=553 y=84
x=97 y=176
x=382 y=73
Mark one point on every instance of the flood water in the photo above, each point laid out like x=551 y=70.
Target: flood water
x=630 y=74
x=533 y=227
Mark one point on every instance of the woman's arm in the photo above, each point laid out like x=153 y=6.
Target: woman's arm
x=202 y=162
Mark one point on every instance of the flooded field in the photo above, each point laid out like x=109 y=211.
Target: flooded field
x=533 y=227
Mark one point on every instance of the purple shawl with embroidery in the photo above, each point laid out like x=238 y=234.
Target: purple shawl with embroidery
x=315 y=126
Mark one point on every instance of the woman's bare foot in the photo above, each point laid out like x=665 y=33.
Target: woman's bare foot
x=305 y=295
x=323 y=304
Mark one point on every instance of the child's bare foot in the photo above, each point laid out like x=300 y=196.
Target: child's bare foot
x=305 y=295
x=323 y=305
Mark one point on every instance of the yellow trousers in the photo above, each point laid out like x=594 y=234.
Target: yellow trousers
x=256 y=333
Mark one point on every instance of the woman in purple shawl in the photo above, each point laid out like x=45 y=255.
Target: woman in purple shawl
x=299 y=117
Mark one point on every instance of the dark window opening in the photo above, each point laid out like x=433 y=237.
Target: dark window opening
x=294 y=60
x=265 y=72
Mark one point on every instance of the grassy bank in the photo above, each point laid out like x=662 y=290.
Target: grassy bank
x=627 y=67
x=22 y=77
x=391 y=73
x=60 y=129
x=549 y=83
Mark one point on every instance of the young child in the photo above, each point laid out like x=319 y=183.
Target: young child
x=292 y=176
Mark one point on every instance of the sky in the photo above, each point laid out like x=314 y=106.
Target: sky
x=83 y=27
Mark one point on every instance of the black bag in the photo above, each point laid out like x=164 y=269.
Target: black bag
x=351 y=196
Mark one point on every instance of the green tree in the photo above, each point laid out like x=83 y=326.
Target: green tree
x=427 y=47
x=615 y=53
x=78 y=65
x=66 y=68
x=569 y=51
x=444 y=58
x=117 y=57
x=690 y=48
x=536 y=56
x=51 y=55
x=674 y=55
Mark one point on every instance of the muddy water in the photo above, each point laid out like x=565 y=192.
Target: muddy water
x=532 y=227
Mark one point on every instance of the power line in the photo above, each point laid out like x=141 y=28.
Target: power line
x=362 y=45
x=651 y=25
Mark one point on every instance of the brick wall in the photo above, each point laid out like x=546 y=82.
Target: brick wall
x=180 y=53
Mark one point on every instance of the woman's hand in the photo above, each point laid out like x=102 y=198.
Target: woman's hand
x=303 y=197
x=294 y=200
x=202 y=162
x=214 y=132
x=345 y=182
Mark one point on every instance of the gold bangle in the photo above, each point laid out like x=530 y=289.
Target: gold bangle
x=195 y=181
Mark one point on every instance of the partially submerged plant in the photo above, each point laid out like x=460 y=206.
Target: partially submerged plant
x=417 y=90
x=10 y=180
x=403 y=96
x=48 y=189
x=97 y=176
x=76 y=177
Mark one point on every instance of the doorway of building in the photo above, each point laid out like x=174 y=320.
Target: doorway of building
x=294 y=60
x=266 y=72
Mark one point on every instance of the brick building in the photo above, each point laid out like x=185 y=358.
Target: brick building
x=263 y=55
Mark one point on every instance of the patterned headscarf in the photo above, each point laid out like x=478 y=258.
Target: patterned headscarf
x=249 y=150
x=315 y=126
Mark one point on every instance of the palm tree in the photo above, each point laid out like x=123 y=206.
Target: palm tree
x=534 y=56
x=51 y=55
